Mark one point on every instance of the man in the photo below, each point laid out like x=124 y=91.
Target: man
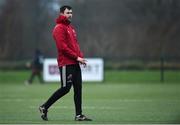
x=36 y=67
x=69 y=57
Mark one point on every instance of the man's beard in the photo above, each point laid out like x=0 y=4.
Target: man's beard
x=69 y=19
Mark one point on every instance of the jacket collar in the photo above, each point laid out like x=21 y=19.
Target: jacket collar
x=63 y=20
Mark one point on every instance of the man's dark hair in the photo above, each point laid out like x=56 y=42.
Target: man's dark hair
x=62 y=9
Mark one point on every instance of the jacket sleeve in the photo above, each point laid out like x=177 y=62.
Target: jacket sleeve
x=81 y=54
x=60 y=38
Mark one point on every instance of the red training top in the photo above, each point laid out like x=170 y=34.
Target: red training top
x=66 y=42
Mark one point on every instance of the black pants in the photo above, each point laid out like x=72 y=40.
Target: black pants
x=70 y=75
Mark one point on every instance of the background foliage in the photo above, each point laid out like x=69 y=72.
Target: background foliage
x=115 y=30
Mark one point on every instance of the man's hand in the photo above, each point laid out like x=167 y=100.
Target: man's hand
x=82 y=61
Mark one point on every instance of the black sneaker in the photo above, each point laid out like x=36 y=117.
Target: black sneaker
x=43 y=112
x=82 y=118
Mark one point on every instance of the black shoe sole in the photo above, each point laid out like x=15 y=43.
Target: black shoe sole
x=42 y=116
x=83 y=119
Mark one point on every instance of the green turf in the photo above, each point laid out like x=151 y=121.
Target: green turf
x=142 y=76
x=111 y=76
x=107 y=102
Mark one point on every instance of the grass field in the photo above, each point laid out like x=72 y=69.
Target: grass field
x=124 y=97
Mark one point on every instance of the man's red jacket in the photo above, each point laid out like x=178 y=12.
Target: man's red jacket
x=66 y=42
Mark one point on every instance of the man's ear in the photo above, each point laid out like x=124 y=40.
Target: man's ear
x=61 y=13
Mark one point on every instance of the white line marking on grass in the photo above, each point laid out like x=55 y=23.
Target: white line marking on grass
x=98 y=100
x=78 y=124
x=85 y=107
x=20 y=100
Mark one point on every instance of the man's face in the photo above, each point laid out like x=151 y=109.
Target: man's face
x=68 y=14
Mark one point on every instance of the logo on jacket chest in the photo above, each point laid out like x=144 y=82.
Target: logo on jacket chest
x=71 y=32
